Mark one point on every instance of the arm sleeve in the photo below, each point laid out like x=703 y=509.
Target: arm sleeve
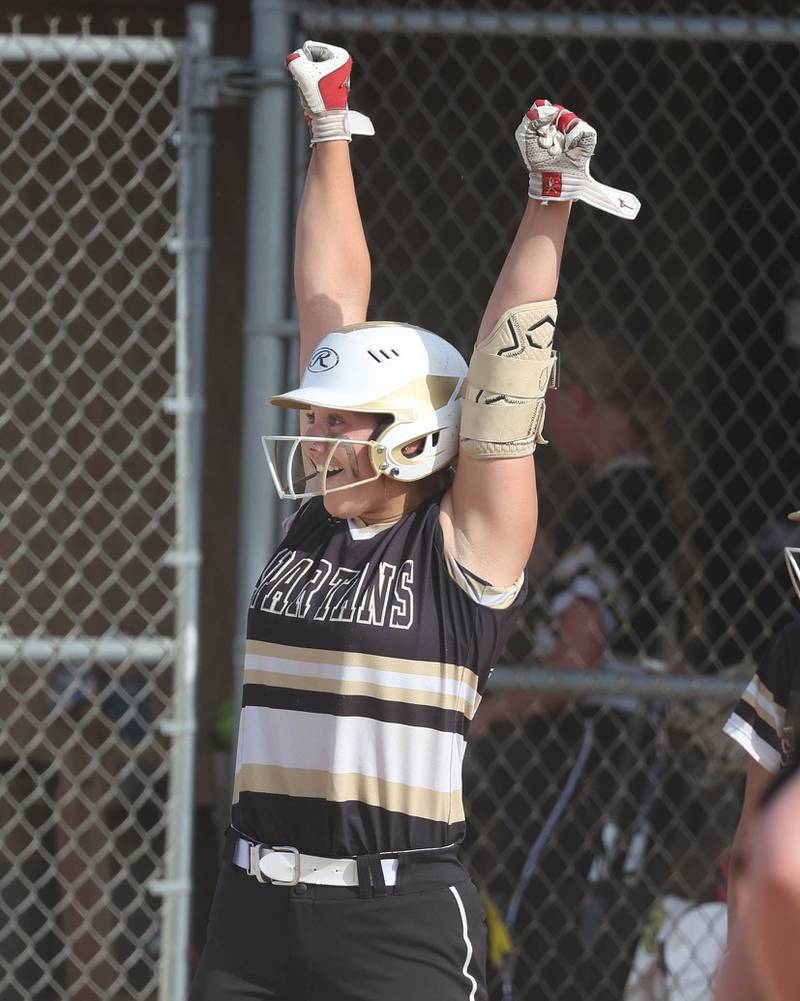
x=758 y=721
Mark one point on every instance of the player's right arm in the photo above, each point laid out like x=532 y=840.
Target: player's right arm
x=763 y=961
x=756 y=782
x=773 y=909
x=332 y=273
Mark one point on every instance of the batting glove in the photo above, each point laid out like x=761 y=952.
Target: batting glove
x=322 y=75
x=556 y=147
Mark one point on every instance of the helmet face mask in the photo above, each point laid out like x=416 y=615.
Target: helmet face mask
x=297 y=475
x=407 y=377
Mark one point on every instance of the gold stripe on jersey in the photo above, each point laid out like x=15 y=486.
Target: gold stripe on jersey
x=443 y=807
x=762 y=701
x=375 y=690
x=356 y=658
x=481 y=592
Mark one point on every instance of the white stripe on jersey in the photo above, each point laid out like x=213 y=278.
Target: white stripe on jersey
x=761 y=699
x=408 y=755
x=358 y=672
x=758 y=749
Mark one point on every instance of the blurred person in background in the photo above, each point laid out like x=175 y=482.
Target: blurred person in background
x=581 y=783
x=686 y=946
x=609 y=591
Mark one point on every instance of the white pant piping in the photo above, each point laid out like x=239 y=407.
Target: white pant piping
x=467 y=943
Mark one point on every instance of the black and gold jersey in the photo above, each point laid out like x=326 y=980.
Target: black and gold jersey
x=761 y=720
x=367 y=654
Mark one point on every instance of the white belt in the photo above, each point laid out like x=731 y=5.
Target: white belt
x=287 y=867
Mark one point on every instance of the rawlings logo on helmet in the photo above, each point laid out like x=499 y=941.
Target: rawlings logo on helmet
x=323 y=360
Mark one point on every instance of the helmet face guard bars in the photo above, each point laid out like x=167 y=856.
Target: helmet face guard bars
x=296 y=475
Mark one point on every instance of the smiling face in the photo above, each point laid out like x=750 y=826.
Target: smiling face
x=336 y=455
x=372 y=499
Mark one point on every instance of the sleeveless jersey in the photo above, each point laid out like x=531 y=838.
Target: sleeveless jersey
x=366 y=659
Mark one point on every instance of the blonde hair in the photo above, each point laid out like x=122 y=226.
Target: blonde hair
x=613 y=370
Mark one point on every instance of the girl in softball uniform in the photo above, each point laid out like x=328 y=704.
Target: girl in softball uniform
x=374 y=627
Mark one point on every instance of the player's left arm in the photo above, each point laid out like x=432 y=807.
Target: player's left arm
x=490 y=515
x=491 y=512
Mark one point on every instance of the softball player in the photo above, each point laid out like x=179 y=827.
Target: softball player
x=764 y=889
x=764 y=722
x=374 y=627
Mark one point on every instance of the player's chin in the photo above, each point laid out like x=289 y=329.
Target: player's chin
x=348 y=503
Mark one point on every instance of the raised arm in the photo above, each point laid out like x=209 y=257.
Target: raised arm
x=493 y=501
x=757 y=780
x=332 y=273
x=489 y=517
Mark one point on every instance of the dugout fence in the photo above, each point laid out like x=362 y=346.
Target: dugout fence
x=103 y=207
x=103 y=200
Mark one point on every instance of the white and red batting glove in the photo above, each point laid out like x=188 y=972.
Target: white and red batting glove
x=322 y=75
x=556 y=147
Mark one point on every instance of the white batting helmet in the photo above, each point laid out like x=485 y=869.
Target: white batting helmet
x=399 y=370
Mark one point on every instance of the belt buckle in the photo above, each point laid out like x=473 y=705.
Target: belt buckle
x=295 y=879
x=255 y=868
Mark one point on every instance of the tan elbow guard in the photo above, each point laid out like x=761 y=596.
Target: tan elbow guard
x=509 y=373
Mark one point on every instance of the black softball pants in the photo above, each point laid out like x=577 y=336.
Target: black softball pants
x=423 y=939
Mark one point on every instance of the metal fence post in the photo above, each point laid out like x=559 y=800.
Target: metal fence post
x=192 y=246
x=87 y=505
x=267 y=293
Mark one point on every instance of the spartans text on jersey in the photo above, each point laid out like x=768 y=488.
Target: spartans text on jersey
x=299 y=587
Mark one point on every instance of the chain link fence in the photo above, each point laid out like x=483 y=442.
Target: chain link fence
x=87 y=508
x=600 y=815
